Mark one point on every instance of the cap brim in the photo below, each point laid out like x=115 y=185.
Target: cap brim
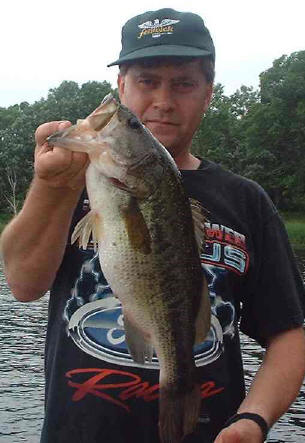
x=163 y=51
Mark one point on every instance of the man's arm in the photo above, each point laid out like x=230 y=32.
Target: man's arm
x=275 y=386
x=33 y=243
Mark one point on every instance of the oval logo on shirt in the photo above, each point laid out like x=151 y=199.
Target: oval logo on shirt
x=96 y=325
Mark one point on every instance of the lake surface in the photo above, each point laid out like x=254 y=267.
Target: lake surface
x=22 y=334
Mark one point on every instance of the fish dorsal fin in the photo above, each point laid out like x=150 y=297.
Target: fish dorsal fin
x=89 y=224
x=199 y=219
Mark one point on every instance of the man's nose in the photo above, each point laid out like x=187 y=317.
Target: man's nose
x=163 y=99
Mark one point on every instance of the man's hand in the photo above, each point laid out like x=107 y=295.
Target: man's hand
x=58 y=167
x=242 y=431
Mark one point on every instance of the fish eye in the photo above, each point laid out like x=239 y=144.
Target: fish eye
x=134 y=123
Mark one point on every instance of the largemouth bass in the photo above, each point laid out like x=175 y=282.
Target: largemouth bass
x=142 y=222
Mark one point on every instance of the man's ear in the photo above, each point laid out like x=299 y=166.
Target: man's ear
x=208 y=97
x=121 y=85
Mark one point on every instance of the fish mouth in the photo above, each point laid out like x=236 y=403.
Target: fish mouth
x=106 y=121
x=102 y=115
x=65 y=137
x=92 y=125
x=52 y=139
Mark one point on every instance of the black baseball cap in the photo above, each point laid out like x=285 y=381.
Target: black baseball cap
x=165 y=33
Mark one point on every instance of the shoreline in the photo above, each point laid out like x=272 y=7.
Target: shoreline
x=294 y=223
x=295 y=226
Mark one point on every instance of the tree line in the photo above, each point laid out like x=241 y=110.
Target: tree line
x=259 y=134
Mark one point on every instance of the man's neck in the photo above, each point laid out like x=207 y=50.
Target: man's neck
x=187 y=161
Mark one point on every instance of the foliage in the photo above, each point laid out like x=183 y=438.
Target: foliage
x=261 y=134
x=221 y=136
x=278 y=126
x=4 y=219
x=17 y=128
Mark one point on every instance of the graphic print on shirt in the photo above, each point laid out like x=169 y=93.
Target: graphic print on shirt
x=94 y=316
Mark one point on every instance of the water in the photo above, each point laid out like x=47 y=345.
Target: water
x=22 y=334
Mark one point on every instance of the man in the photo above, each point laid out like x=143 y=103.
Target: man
x=94 y=391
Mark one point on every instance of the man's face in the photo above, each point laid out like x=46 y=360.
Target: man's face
x=169 y=99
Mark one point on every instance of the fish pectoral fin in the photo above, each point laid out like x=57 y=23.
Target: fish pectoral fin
x=137 y=230
x=89 y=224
x=199 y=218
x=139 y=348
x=203 y=319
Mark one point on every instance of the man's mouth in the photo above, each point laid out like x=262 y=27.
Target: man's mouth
x=160 y=122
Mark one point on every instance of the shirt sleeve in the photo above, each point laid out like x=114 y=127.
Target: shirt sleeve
x=274 y=294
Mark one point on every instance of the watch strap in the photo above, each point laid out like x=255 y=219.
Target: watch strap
x=250 y=416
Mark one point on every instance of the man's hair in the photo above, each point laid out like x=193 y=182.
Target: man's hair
x=206 y=64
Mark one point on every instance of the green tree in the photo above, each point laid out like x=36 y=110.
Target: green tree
x=275 y=131
x=220 y=136
x=17 y=128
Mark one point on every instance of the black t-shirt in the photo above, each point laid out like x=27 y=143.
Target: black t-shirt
x=94 y=390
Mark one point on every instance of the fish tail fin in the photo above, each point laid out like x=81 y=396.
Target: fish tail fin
x=84 y=228
x=178 y=414
x=191 y=411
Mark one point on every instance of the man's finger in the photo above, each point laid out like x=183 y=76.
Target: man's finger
x=79 y=179
x=43 y=131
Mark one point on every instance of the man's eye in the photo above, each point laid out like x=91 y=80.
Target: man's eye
x=184 y=85
x=146 y=81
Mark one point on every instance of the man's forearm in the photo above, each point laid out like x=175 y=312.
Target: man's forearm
x=275 y=387
x=33 y=243
x=278 y=381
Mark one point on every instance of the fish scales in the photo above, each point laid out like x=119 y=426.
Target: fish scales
x=143 y=224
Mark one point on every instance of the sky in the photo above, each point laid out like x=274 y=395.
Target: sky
x=43 y=42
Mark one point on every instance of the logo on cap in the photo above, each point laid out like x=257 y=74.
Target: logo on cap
x=157 y=28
